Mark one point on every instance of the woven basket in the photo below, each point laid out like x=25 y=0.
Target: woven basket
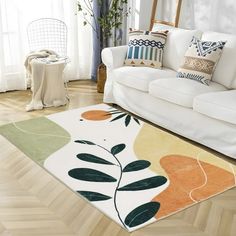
x=101 y=77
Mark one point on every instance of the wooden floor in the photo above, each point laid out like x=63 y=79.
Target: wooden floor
x=32 y=202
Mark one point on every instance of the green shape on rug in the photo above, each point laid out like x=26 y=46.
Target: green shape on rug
x=38 y=138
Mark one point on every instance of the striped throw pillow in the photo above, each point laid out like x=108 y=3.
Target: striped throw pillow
x=200 y=60
x=146 y=48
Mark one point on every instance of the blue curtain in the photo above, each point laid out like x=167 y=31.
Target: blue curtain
x=98 y=41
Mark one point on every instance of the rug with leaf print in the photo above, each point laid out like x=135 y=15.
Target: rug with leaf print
x=133 y=172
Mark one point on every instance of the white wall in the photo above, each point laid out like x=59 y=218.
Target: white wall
x=215 y=15
x=141 y=13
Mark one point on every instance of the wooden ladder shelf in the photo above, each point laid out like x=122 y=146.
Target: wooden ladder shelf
x=153 y=15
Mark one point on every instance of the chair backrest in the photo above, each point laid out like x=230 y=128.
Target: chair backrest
x=48 y=33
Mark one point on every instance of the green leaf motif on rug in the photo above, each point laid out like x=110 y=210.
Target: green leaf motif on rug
x=92 y=175
x=143 y=184
x=118 y=117
x=92 y=158
x=84 y=142
x=94 y=196
x=38 y=138
x=137 y=165
x=142 y=214
x=136 y=120
x=117 y=149
x=127 y=120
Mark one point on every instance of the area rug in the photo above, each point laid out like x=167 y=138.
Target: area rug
x=133 y=172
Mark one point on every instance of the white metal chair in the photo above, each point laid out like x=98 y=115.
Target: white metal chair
x=48 y=33
x=47 y=36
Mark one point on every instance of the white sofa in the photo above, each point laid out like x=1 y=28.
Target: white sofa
x=205 y=114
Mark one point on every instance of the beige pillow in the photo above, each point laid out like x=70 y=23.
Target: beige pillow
x=146 y=48
x=200 y=60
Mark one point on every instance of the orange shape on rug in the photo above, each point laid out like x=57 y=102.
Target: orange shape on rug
x=190 y=181
x=96 y=115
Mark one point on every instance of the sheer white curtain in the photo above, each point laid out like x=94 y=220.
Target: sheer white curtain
x=15 y=15
x=211 y=15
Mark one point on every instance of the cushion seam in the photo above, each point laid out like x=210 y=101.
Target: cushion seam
x=146 y=91
x=181 y=92
x=172 y=90
x=214 y=104
x=171 y=100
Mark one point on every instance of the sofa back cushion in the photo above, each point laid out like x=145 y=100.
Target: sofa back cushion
x=140 y=77
x=233 y=85
x=200 y=60
x=225 y=71
x=177 y=43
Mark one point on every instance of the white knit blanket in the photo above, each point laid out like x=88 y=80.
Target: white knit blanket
x=46 y=81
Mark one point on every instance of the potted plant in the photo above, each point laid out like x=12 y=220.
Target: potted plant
x=106 y=18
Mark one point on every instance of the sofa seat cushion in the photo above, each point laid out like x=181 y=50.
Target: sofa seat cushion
x=140 y=77
x=181 y=91
x=218 y=105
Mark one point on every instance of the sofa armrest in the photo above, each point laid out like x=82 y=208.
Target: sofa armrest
x=114 y=57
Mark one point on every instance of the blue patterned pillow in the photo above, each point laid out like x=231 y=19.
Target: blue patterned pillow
x=200 y=60
x=146 y=48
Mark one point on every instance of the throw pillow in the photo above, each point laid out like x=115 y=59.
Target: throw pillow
x=200 y=60
x=146 y=48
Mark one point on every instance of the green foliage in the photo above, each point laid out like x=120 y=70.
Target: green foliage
x=110 y=18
